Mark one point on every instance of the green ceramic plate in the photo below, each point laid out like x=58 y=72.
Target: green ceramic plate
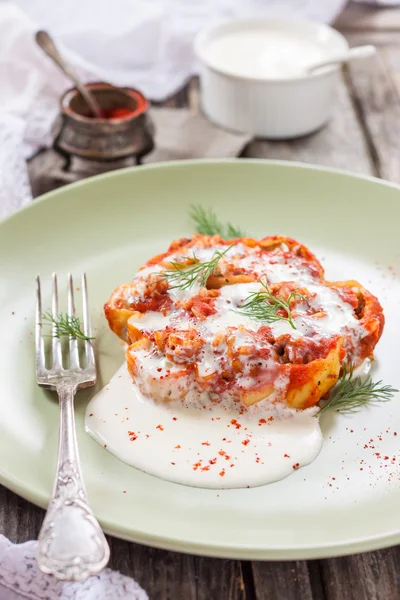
x=347 y=500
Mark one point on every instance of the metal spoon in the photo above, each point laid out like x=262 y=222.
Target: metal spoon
x=357 y=52
x=46 y=43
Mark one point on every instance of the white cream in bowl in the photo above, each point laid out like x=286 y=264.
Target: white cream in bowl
x=264 y=54
x=254 y=79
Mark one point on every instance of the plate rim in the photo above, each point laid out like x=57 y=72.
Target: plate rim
x=194 y=161
x=211 y=549
x=239 y=551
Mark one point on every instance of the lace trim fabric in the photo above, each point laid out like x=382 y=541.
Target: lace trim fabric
x=21 y=578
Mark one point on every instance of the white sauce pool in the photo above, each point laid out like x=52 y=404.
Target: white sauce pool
x=199 y=446
x=264 y=54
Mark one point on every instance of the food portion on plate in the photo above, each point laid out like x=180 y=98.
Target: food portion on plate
x=234 y=347
x=241 y=320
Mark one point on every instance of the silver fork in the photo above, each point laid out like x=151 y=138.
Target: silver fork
x=71 y=544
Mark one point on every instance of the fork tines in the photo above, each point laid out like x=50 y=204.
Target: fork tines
x=57 y=359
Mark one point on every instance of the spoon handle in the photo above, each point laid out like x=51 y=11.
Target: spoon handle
x=44 y=40
x=352 y=53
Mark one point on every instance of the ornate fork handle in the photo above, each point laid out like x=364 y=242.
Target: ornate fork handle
x=71 y=545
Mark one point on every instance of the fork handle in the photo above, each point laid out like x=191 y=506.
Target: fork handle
x=71 y=544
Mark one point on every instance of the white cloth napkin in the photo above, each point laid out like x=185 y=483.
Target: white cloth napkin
x=20 y=579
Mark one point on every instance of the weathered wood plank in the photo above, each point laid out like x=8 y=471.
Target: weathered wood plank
x=378 y=38
x=370 y=576
x=391 y=59
x=340 y=144
x=364 y=17
x=376 y=100
x=164 y=575
x=286 y=580
x=169 y=575
x=19 y=520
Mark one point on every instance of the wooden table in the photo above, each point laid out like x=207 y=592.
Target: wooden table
x=363 y=137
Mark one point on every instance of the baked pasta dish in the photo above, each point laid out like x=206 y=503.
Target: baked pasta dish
x=241 y=320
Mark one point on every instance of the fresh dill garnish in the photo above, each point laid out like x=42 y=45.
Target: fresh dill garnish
x=352 y=393
x=184 y=275
x=263 y=306
x=66 y=325
x=207 y=223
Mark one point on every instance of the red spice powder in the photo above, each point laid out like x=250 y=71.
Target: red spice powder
x=212 y=461
x=132 y=436
x=286 y=456
x=236 y=423
x=245 y=442
x=178 y=446
x=296 y=466
x=222 y=452
x=261 y=422
x=222 y=473
x=174 y=418
x=206 y=468
x=114 y=113
x=205 y=444
x=91 y=415
x=160 y=427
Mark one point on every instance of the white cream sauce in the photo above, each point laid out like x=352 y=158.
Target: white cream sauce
x=199 y=446
x=264 y=54
x=199 y=440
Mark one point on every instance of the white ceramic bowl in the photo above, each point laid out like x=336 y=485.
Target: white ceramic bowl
x=276 y=107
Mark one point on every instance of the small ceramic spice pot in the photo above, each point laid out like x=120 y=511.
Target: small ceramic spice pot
x=124 y=131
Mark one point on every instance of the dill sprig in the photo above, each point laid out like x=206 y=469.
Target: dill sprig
x=352 y=393
x=183 y=277
x=207 y=223
x=66 y=325
x=263 y=306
